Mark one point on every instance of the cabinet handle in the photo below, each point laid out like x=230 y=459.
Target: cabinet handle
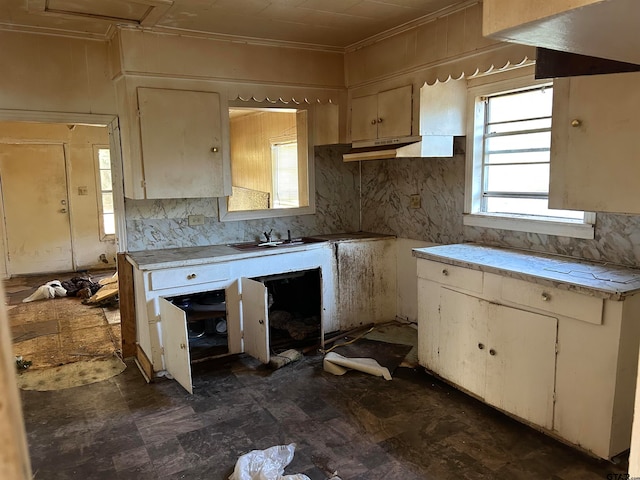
x=261 y=322
x=481 y=346
x=214 y=149
x=380 y=120
x=191 y=276
x=63 y=210
x=445 y=272
x=183 y=346
x=576 y=123
x=492 y=352
x=546 y=297
x=374 y=121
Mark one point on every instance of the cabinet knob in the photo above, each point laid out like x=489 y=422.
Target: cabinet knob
x=492 y=352
x=380 y=120
x=214 y=149
x=546 y=297
x=576 y=123
x=261 y=322
x=63 y=210
x=445 y=272
x=191 y=276
x=374 y=121
x=481 y=346
x=183 y=346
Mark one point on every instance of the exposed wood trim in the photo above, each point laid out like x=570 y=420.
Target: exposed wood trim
x=144 y=363
x=127 y=306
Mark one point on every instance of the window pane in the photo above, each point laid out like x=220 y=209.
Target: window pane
x=519 y=157
x=528 y=206
x=104 y=158
x=105 y=180
x=108 y=220
x=518 y=178
x=285 y=175
x=516 y=126
x=107 y=202
x=529 y=104
x=519 y=142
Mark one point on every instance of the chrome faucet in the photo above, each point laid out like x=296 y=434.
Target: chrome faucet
x=268 y=235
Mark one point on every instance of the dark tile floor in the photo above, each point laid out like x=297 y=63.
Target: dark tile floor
x=360 y=426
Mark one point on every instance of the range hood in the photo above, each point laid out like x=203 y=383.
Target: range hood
x=403 y=147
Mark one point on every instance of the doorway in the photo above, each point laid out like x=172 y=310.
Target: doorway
x=57 y=198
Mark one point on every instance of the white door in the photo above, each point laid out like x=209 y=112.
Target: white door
x=462 y=341
x=175 y=341
x=34 y=194
x=521 y=363
x=255 y=319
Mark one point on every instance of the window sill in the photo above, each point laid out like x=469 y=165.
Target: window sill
x=575 y=229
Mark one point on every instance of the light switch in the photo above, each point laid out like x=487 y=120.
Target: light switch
x=414 y=201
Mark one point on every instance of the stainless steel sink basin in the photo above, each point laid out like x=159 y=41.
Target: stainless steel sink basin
x=275 y=244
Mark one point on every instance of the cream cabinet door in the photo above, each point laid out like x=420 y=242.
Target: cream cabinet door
x=387 y=114
x=255 y=319
x=595 y=144
x=521 y=363
x=462 y=341
x=183 y=149
x=175 y=341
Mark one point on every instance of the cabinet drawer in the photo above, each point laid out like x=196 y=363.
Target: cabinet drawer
x=180 y=277
x=550 y=299
x=460 y=277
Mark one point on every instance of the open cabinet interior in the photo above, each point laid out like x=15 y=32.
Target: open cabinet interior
x=258 y=316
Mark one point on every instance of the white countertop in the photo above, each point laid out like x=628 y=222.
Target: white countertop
x=189 y=256
x=598 y=279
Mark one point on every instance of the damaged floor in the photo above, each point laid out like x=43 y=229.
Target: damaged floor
x=357 y=426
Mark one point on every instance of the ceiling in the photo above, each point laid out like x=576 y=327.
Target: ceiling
x=328 y=23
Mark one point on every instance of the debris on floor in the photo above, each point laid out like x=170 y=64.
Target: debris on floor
x=48 y=290
x=107 y=293
x=266 y=464
x=285 y=358
x=339 y=365
x=22 y=364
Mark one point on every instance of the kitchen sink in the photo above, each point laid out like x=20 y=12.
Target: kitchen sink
x=275 y=243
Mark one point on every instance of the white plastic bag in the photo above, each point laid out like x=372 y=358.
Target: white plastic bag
x=48 y=290
x=266 y=464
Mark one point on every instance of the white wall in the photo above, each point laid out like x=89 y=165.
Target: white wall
x=407 y=286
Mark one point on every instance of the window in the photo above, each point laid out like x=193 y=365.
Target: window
x=271 y=162
x=105 y=192
x=509 y=159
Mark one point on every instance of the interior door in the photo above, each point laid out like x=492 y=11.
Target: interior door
x=176 y=343
x=34 y=193
x=255 y=319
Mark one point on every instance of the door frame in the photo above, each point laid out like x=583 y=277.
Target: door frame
x=112 y=124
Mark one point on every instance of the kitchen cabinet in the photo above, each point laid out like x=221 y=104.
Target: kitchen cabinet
x=183 y=149
x=599 y=28
x=594 y=144
x=383 y=115
x=548 y=340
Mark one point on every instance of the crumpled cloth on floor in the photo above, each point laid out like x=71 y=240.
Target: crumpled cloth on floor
x=48 y=290
x=266 y=464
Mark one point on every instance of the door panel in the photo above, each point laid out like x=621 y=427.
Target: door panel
x=34 y=192
x=234 y=321
x=176 y=343
x=255 y=319
x=462 y=341
x=521 y=363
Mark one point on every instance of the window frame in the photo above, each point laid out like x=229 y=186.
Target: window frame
x=473 y=215
x=96 y=162
x=308 y=187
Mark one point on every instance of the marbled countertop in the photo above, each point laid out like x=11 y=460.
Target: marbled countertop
x=598 y=279
x=188 y=256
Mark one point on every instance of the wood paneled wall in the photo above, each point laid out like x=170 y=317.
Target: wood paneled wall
x=251 y=137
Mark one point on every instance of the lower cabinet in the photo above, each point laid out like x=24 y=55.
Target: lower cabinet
x=562 y=361
x=503 y=355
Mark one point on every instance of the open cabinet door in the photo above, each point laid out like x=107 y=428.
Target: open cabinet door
x=234 y=323
x=255 y=319
x=176 y=343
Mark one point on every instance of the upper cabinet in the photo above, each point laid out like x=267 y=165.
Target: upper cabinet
x=595 y=144
x=175 y=139
x=386 y=114
x=599 y=28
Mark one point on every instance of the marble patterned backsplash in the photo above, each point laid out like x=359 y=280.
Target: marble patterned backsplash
x=156 y=224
